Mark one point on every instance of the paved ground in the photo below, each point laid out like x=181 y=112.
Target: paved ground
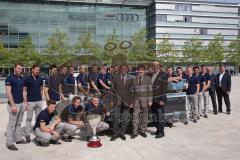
x=217 y=137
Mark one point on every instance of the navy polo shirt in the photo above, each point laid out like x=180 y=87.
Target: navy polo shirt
x=70 y=83
x=105 y=78
x=83 y=79
x=70 y=79
x=53 y=84
x=201 y=80
x=70 y=111
x=16 y=84
x=43 y=116
x=33 y=88
x=207 y=78
x=192 y=84
x=90 y=108
x=93 y=76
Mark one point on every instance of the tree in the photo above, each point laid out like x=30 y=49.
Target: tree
x=142 y=49
x=85 y=46
x=4 y=56
x=193 y=51
x=233 y=54
x=112 y=47
x=58 y=51
x=216 y=49
x=166 y=51
x=26 y=53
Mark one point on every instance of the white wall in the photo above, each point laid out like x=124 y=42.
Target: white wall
x=207 y=8
x=215 y=20
x=177 y=30
x=165 y=6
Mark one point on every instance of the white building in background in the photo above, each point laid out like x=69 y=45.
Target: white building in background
x=239 y=19
x=183 y=19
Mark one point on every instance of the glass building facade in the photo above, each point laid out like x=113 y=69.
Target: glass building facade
x=41 y=18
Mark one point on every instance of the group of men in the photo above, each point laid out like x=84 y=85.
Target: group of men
x=122 y=94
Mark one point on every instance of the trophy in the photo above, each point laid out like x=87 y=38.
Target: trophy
x=93 y=120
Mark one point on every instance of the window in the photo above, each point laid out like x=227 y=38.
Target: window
x=187 y=19
x=183 y=7
x=203 y=31
x=161 y=18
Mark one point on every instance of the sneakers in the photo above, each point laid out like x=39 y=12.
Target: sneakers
x=28 y=139
x=66 y=139
x=54 y=142
x=133 y=136
x=114 y=137
x=21 y=142
x=143 y=134
x=12 y=147
x=205 y=116
x=122 y=137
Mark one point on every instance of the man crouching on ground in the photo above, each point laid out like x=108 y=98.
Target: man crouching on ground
x=48 y=126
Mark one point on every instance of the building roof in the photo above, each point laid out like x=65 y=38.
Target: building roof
x=144 y=2
x=123 y=2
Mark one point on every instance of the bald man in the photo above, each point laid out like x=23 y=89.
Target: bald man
x=212 y=88
x=160 y=82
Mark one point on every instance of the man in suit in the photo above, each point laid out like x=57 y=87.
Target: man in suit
x=224 y=88
x=160 y=82
x=212 y=88
x=122 y=99
x=142 y=101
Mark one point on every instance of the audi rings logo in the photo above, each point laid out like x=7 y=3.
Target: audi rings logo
x=124 y=45
x=122 y=17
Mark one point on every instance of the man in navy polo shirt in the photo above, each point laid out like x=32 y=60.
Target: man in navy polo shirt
x=82 y=81
x=52 y=88
x=48 y=126
x=32 y=95
x=63 y=87
x=16 y=107
x=69 y=81
x=207 y=79
x=192 y=94
x=92 y=79
x=103 y=79
x=202 y=83
x=95 y=106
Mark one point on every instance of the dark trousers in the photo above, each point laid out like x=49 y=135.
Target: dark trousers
x=214 y=101
x=158 y=117
x=121 y=119
x=220 y=94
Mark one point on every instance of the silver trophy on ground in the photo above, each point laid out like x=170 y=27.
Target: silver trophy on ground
x=93 y=120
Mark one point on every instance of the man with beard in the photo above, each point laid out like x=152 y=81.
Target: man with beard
x=48 y=126
x=82 y=80
x=16 y=107
x=32 y=95
x=63 y=88
x=52 y=88
x=92 y=79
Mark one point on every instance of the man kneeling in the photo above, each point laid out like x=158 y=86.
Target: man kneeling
x=76 y=115
x=48 y=126
x=95 y=106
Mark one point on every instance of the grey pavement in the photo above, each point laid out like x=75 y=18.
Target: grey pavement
x=215 y=138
